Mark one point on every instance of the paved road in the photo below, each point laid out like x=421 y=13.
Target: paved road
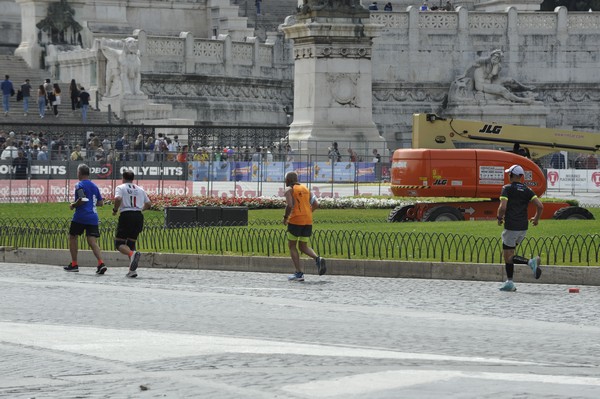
x=205 y=334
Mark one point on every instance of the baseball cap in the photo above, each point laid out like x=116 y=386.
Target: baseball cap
x=515 y=170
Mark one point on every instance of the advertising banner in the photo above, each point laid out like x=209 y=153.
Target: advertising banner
x=582 y=180
x=68 y=170
x=54 y=190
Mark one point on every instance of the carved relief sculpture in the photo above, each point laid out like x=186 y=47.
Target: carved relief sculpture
x=123 y=68
x=482 y=82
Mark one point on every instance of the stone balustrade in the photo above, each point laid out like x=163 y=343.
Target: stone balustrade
x=222 y=56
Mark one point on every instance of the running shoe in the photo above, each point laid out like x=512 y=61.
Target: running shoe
x=71 y=268
x=534 y=264
x=508 y=286
x=101 y=269
x=321 y=268
x=296 y=277
x=134 y=260
x=131 y=274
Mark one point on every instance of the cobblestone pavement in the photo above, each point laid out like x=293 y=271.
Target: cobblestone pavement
x=206 y=334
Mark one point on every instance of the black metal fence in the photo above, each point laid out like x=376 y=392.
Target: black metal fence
x=259 y=240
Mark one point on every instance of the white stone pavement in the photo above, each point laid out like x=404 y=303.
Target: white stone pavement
x=217 y=334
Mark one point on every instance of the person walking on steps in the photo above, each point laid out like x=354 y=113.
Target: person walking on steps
x=300 y=204
x=130 y=200
x=85 y=218
x=514 y=201
x=56 y=98
x=7 y=92
x=26 y=93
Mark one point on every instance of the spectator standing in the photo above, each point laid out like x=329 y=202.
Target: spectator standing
x=10 y=151
x=76 y=154
x=514 y=201
x=120 y=145
x=373 y=6
x=138 y=148
x=376 y=157
x=48 y=90
x=557 y=161
x=388 y=7
x=591 y=162
x=42 y=99
x=85 y=219
x=43 y=154
x=130 y=200
x=448 y=6
x=333 y=153
x=7 y=91
x=149 y=154
x=20 y=165
x=580 y=161
x=160 y=148
x=174 y=147
x=56 y=98
x=300 y=205
x=182 y=156
x=73 y=94
x=257 y=4
x=352 y=155
x=26 y=93
x=84 y=100
x=424 y=7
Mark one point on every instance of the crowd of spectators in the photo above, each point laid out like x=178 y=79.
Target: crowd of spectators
x=143 y=148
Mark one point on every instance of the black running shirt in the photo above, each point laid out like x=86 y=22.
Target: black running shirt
x=518 y=196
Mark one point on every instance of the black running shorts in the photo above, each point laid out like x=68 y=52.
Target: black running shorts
x=130 y=225
x=77 y=229
x=299 y=230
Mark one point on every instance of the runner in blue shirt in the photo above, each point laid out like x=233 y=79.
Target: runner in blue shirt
x=87 y=198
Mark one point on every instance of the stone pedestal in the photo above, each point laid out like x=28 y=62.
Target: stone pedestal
x=136 y=108
x=332 y=80
x=534 y=114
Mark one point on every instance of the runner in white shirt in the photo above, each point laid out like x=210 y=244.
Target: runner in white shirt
x=130 y=200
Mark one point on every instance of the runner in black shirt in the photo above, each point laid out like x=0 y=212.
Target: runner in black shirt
x=514 y=201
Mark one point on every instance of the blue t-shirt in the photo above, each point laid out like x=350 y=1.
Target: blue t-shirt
x=87 y=213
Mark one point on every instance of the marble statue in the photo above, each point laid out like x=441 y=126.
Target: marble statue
x=482 y=81
x=123 y=68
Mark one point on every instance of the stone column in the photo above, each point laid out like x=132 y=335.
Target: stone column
x=333 y=78
x=32 y=12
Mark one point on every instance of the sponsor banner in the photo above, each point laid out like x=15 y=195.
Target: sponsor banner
x=587 y=180
x=266 y=172
x=64 y=190
x=68 y=170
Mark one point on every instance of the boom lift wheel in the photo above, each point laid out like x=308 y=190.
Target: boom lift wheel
x=443 y=214
x=398 y=214
x=573 y=212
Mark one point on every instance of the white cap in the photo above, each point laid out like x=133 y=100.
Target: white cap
x=515 y=170
x=11 y=133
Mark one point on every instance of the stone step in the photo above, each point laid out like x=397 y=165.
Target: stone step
x=18 y=70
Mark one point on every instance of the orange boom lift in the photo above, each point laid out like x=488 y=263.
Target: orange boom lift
x=435 y=168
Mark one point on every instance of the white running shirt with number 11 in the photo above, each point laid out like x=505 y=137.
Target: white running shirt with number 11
x=133 y=197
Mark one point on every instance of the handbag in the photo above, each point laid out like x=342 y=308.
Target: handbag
x=19 y=95
x=12 y=92
x=78 y=104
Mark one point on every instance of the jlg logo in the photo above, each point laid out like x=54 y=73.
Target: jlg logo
x=491 y=129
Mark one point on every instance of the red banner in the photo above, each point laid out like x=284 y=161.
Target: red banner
x=63 y=190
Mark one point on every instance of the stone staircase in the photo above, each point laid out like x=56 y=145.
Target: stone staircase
x=272 y=14
x=18 y=70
